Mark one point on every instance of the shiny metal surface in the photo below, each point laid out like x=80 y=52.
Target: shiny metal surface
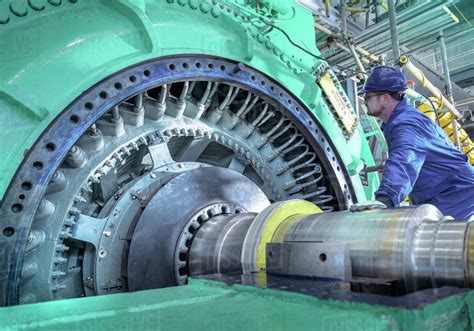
x=416 y=246
x=469 y=254
x=217 y=247
x=310 y=259
x=378 y=239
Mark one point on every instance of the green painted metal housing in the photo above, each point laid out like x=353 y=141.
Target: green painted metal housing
x=209 y=305
x=52 y=51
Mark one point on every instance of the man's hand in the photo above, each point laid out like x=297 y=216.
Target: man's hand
x=368 y=205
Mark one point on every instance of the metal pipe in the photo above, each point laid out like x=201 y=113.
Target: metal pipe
x=449 y=86
x=357 y=59
x=342 y=10
x=367 y=14
x=327 y=5
x=358 y=49
x=367 y=54
x=444 y=60
x=348 y=50
x=465 y=102
x=393 y=30
x=376 y=11
x=325 y=30
x=355 y=9
x=420 y=76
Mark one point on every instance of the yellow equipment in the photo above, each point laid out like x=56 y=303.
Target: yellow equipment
x=467 y=146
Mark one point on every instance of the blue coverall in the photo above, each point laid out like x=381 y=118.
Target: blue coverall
x=424 y=164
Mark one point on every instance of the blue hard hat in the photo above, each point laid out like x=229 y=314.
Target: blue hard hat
x=385 y=78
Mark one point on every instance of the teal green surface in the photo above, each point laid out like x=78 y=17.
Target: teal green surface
x=207 y=305
x=52 y=51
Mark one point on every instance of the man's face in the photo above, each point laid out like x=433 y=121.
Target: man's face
x=374 y=103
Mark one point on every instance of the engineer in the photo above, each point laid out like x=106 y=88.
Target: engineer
x=422 y=163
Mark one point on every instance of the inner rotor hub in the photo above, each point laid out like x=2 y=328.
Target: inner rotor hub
x=159 y=247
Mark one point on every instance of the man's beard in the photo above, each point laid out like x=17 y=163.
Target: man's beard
x=374 y=112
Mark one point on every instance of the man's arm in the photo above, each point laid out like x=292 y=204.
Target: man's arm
x=406 y=157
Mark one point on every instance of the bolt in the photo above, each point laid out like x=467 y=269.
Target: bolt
x=107 y=233
x=36 y=4
x=4 y=18
x=55 y=2
x=19 y=8
x=152 y=175
x=204 y=7
x=181 y=166
x=73 y=150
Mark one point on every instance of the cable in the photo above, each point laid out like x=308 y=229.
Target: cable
x=306 y=51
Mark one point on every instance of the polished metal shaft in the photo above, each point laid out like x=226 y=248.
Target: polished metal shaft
x=417 y=245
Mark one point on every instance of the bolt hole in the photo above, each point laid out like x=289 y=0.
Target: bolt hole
x=338 y=169
x=26 y=186
x=9 y=231
x=333 y=158
x=289 y=101
x=322 y=257
x=270 y=253
x=185 y=65
x=89 y=106
x=172 y=67
x=272 y=88
x=223 y=68
x=21 y=197
x=16 y=208
x=147 y=73
x=132 y=78
x=74 y=119
x=211 y=66
x=262 y=82
x=38 y=165
x=118 y=86
x=104 y=95
x=297 y=109
x=281 y=95
x=252 y=77
x=50 y=147
x=310 y=123
x=198 y=65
